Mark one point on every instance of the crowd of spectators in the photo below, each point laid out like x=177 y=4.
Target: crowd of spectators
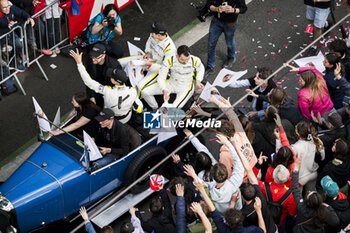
x=300 y=182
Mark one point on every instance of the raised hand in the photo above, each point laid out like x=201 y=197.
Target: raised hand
x=78 y=57
x=180 y=190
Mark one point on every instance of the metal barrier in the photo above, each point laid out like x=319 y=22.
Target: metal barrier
x=147 y=174
x=12 y=56
x=47 y=34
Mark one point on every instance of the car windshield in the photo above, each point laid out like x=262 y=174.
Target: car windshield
x=68 y=144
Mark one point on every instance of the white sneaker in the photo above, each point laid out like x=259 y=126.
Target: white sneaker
x=53 y=54
x=57 y=50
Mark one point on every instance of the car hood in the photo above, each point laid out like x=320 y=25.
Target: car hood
x=41 y=181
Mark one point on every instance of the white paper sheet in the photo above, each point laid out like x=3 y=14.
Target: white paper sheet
x=134 y=50
x=94 y=153
x=208 y=91
x=225 y=77
x=316 y=60
x=57 y=119
x=43 y=124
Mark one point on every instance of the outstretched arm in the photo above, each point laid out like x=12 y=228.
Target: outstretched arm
x=196 y=208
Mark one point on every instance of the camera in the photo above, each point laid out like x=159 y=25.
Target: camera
x=203 y=11
x=111 y=22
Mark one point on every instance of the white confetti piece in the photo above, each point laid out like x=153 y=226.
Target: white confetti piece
x=288 y=37
x=137 y=38
x=284 y=87
x=258 y=41
x=253 y=21
x=279 y=51
x=273 y=45
x=289 y=41
x=295 y=25
x=265 y=55
x=268 y=35
x=298 y=16
x=255 y=67
x=297 y=88
x=53 y=66
x=260 y=47
x=253 y=39
x=298 y=33
x=275 y=20
x=270 y=43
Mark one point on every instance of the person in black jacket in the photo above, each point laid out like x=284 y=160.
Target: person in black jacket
x=312 y=214
x=339 y=47
x=339 y=168
x=338 y=201
x=286 y=107
x=97 y=67
x=259 y=104
x=161 y=220
x=112 y=138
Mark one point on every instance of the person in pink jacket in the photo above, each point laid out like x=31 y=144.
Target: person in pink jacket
x=313 y=97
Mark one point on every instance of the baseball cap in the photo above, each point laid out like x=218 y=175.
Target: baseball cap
x=156 y=182
x=333 y=118
x=105 y=114
x=97 y=50
x=280 y=174
x=117 y=74
x=330 y=187
x=158 y=28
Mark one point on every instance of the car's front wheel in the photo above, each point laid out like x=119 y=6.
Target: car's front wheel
x=142 y=163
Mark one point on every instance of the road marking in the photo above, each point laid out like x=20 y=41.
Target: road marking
x=193 y=32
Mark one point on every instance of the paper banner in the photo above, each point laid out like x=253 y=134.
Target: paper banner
x=57 y=119
x=208 y=91
x=226 y=77
x=43 y=123
x=134 y=50
x=94 y=153
x=317 y=61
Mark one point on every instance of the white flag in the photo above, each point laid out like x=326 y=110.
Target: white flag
x=94 y=153
x=134 y=50
x=57 y=120
x=225 y=77
x=43 y=124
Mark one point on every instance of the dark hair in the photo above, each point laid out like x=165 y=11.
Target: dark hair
x=175 y=181
x=338 y=46
x=126 y=227
x=314 y=202
x=348 y=2
x=248 y=127
x=332 y=58
x=248 y=191
x=191 y=216
x=203 y=162
x=156 y=205
x=107 y=229
x=284 y=156
x=226 y=128
x=234 y=218
x=277 y=97
x=84 y=101
x=341 y=150
x=304 y=129
x=264 y=72
x=270 y=114
x=108 y=8
x=183 y=49
x=219 y=173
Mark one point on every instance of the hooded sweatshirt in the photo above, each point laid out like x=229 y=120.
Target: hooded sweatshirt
x=341 y=208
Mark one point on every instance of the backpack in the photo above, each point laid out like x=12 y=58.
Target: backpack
x=275 y=208
x=9 y=86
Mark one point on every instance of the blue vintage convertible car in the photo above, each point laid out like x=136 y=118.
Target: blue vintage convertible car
x=56 y=180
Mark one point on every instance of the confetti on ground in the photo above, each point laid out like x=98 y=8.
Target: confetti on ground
x=212 y=139
x=243 y=58
x=243 y=67
x=259 y=28
x=53 y=66
x=298 y=16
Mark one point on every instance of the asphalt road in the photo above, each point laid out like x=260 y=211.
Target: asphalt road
x=270 y=33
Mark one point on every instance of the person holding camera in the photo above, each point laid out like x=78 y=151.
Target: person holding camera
x=103 y=27
x=225 y=21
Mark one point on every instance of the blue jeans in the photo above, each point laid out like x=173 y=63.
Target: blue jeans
x=40 y=37
x=53 y=27
x=107 y=159
x=215 y=30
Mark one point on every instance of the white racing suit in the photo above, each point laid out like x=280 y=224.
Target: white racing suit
x=182 y=81
x=121 y=99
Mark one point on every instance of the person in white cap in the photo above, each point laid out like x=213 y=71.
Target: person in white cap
x=120 y=98
x=185 y=71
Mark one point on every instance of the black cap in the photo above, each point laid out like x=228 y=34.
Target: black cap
x=158 y=28
x=117 y=74
x=97 y=50
x=105 y=114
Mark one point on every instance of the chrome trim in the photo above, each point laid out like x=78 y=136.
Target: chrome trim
x=5 y=204
x=123 y=158
x=58 y=182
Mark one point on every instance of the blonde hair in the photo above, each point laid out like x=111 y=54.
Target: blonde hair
x=313 y=84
